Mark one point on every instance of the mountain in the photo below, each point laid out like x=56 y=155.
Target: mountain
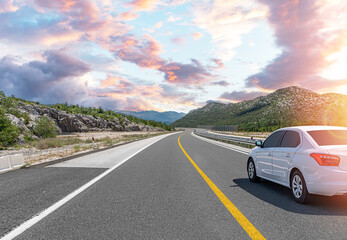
x=164 y=117
x=290 y=106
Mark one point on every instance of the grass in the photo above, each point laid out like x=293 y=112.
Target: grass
x=77 y=148
x=48 y=143
x=77 y=145
x=55 y=142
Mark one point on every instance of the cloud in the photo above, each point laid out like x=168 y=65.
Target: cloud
x=197 y=35
x=227 y=22
x=143 y=5
x=237 y=96
x=129 y=96
x=308 y=36
x=173 y=19
x=218 y=62
x=58 y=79
x=317 y=83
x=221 y=83
x=60 y=22
x=128 y=16
x=144 y=52
x=186 y=74
x=84 y=14
x=158 y=25
x=213 y=101
x=7 y=6
x=179 y=41
x=41 y=79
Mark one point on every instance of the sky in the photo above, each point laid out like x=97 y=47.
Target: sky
x=169 y=55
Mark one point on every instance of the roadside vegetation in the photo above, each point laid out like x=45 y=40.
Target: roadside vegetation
x=8 y=132
x=108 y=115
x=52 y=148
x=47 y=143
x=43 y=128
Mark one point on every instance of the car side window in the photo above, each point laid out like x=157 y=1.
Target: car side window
x=273 y=140
x=291 y=139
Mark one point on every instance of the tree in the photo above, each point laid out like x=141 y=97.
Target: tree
x=45 y=128
x=8 y=132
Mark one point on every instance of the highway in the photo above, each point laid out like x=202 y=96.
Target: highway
x=177 y=186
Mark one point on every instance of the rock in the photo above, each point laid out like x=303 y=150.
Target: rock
x=30 y=109
x=19 y=122
x=70 y=123
x=73 y=122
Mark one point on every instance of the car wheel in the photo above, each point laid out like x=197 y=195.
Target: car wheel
x=298 y=187
x=252 y=174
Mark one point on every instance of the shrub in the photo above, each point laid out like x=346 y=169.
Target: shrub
x=8 y=132
x=28 y=136
x=45 y=128
x=77 y=148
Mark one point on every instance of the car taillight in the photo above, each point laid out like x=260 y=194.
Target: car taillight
x=326 y=159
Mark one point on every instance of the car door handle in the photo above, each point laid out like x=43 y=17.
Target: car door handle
x=288 y=155
x=269 y=154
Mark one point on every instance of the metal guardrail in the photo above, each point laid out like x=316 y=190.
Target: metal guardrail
x=225 y=128
x=204 y=133
x=11 y=162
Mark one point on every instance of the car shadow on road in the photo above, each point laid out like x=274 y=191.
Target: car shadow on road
x=280 y=196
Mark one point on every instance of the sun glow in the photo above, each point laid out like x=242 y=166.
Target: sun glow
x=338 y=69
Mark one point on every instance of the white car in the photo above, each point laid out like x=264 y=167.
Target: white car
x=307 y=159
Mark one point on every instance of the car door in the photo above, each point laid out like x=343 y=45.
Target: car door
x=283 y=154
x=264 y=154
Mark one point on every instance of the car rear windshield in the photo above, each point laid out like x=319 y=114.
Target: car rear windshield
x=329 y=137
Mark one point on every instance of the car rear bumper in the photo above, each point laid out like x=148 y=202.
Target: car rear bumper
x=328 y=182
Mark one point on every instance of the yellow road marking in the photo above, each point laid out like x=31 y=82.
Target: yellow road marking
x=240 y=218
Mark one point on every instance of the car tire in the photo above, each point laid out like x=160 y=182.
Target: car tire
x=252 y=173
x=298 y=187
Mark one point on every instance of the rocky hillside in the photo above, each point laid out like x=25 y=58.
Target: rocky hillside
x=164 y=117
x=284 y=107
x=25 y=115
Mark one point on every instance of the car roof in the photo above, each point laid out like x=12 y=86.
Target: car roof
x=312 y=128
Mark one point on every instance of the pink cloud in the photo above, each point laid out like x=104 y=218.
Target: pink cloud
x=158 y=25
x=179 y=41
x=218 y=62
x=144 y=52
x=303 y=30
x=129 y=96
x=128 y=16
x=197 y=35
x=143 y=5
x=78 y=21
x=7 y=6
x=186 y=74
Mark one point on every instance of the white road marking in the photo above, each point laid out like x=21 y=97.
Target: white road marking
x=224 y=145
x=26 y=225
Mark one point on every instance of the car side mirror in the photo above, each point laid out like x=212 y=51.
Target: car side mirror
x=259 y=143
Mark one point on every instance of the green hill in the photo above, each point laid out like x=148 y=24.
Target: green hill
x=290 y=106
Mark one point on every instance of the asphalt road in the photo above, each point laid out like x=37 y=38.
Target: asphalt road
x=159 y=194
